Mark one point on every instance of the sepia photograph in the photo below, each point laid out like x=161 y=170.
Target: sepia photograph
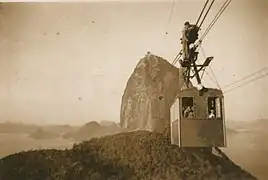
x=134 y=90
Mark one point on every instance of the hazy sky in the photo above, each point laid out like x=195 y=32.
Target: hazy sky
x=53 y=53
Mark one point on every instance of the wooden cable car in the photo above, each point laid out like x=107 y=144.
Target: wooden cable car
x=199 y=121
x=197 y=116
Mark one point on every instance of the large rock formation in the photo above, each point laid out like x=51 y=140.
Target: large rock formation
x=149 y=94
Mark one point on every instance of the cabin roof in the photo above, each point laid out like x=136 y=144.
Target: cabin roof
x=194 y=91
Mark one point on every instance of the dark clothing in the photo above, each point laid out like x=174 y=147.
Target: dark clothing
x=187 y=39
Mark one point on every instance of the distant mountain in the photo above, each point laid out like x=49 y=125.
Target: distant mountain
x=87 y=131
x=93 y=129
x=68 y=135
x=60 y=129
x=42 y=134
x=9 y=127
x=231 y=131
x=107 y=123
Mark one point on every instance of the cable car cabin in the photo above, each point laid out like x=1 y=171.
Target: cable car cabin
x=198 y=121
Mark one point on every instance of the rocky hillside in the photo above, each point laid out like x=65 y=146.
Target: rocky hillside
x=137 y=155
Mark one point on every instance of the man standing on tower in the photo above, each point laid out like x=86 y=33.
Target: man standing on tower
x=187 y=39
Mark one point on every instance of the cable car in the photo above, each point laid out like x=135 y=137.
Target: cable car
x=198 y=120
x=197 y=115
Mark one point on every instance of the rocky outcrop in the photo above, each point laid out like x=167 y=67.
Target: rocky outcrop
x=149 y=94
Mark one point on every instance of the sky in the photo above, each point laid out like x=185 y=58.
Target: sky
x=68 y=63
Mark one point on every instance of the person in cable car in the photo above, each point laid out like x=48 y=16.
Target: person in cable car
x=191 y=114
x=211 y=114
x=188 y=112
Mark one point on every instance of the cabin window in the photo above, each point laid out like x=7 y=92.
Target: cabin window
x=214 y=107
x=188 y=107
